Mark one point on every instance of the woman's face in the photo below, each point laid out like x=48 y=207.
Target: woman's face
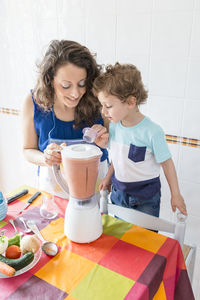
x=69 y=85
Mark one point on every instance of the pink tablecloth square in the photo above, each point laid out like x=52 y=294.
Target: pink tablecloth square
x=175 y=262
x=138 y=291
x=127 y=259
x=10 y=285
x=96 y=250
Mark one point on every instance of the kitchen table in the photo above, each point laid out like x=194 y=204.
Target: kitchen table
x=126 y=262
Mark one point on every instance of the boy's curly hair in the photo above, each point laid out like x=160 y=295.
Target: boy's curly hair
x=61 y=53
x=122 y=81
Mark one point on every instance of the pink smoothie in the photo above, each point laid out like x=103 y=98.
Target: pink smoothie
x=81 y=176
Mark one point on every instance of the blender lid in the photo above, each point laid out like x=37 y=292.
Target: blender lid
x=81 y=151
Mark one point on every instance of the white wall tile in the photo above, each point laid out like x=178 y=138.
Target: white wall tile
x=129 y=7
x=171 y=34
x=192 y=235
x=195 y=41
x=5 y=63
x=101 y=41
x=48 y=30
x=22 y=81
x=15 y=171
x=23 y=8
x=191 y=194
x=133 y=35
x=70 y=8
x=72 y=28
x=191 y=121
x=103 y=7
x=189 y=165
x=16 y=58
x=167 y=77
x=167 y=112
x=144 y=109
x=197 y=4
x=44 y=9
x=193 y=83
x=173 y=5
x=4 y=32
x=4 y=10
x=19 y=35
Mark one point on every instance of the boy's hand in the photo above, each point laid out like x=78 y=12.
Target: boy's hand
x=102 y=135
x=105 y=185
x=178 y=202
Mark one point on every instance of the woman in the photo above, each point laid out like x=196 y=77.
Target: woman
x=60 y=106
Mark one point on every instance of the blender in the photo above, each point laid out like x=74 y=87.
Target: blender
x=82 y=216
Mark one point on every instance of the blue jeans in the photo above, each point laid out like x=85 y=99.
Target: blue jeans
x=149 y=206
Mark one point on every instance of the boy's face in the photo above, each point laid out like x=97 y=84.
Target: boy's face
x=113 y=108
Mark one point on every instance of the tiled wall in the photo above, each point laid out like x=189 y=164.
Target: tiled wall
x=160 y=37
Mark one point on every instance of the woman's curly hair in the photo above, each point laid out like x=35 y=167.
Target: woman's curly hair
x=60 y=53
x=122 y=81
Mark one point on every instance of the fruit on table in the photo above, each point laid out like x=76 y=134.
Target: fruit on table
x=15 y=240
x=3 y=243
x=13 y=251
x=6 y=269
x=18 y=263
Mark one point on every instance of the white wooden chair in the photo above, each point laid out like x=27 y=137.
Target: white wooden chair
x=177 y=229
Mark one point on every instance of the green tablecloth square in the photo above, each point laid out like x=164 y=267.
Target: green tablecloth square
x=102 y=283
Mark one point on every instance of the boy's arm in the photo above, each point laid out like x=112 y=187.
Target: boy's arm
x=177 y=200
x=107 y=181
x=102 y=135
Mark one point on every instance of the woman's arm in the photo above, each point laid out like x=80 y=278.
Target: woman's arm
x=30 y=139
x=177 y=200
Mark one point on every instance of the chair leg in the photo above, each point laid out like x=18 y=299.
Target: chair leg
x=190 y=262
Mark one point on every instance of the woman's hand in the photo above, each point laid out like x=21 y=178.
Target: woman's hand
x=102 y=135
x=52 y=154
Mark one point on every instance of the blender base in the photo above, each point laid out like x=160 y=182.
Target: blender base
x=83 y=222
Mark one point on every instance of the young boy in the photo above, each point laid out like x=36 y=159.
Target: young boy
x=137 y=145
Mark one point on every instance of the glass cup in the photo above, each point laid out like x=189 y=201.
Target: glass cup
x=48 y=209
x=89 y=135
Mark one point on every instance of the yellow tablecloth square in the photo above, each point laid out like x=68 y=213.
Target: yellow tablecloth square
x=65 y=270
x=144 y=238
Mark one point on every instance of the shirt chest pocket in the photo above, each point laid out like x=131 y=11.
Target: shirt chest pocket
x=136 y=153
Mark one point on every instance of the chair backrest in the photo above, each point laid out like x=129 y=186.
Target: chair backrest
x=144 y=220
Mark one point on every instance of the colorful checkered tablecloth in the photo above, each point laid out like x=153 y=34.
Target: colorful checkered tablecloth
x=126 y=262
